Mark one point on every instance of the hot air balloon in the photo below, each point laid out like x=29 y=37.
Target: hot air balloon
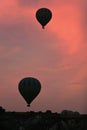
x=43 y=15
x=29 y=88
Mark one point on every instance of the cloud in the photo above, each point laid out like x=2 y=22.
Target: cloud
x=28 y=3
x=56 y=55
x=34 y=3
x=84 y=14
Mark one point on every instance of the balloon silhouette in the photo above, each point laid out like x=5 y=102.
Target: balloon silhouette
x=43 y=15
x=29 y=88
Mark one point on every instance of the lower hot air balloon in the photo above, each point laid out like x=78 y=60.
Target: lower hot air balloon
x=43 y=15
x=29 y=88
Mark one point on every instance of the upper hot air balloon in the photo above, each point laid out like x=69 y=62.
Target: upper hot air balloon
x=29 y=88
x=43 y=15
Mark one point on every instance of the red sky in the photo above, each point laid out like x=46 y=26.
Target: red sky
x=56 y=56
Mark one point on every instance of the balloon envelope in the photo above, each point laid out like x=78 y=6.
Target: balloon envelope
x=29 y=88
x=43 y=15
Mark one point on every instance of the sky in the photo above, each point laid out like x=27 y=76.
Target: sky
x=56 y=55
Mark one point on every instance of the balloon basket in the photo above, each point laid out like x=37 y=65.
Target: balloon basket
x=28 y=105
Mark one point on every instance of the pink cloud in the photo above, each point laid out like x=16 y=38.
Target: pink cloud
x=56 y=55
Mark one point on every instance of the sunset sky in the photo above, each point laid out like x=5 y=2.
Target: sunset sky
x=57 y=55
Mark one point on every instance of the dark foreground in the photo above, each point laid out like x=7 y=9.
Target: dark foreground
x=42 y=121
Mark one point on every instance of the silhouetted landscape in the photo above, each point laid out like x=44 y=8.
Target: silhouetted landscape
x=66 y=120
